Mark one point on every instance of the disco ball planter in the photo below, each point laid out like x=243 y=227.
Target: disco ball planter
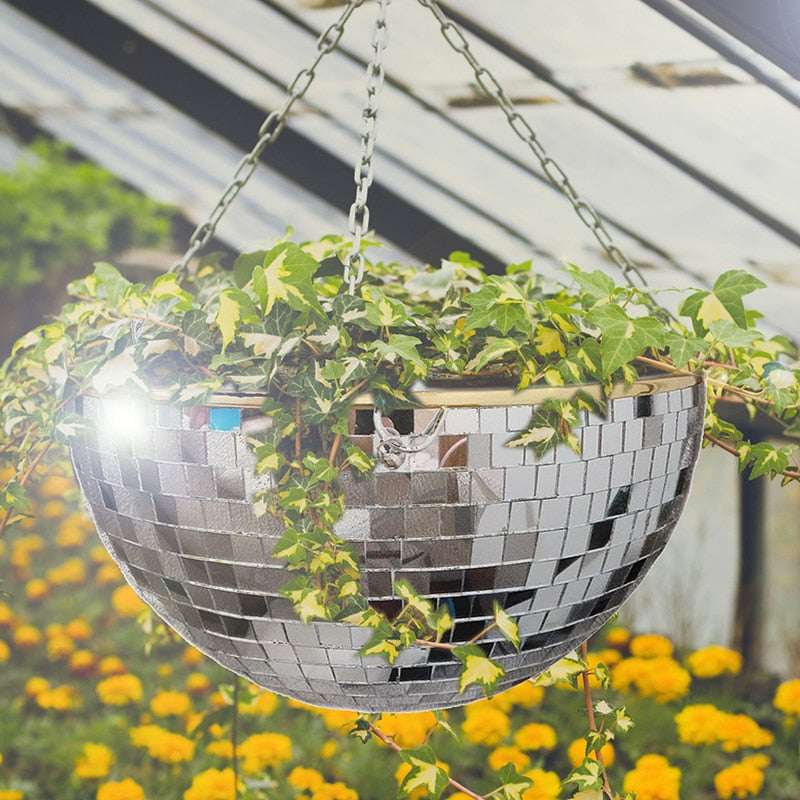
x=558 y=542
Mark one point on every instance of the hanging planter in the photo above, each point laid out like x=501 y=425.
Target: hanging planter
x=559 y=542
x=352 y=482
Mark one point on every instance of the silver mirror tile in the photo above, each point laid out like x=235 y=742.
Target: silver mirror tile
x=560 y=542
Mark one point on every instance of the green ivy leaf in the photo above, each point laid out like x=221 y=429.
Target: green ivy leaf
x=425 y=774
x=513 y=785
x=588 y=776
x=478 y=668
x=730 y=287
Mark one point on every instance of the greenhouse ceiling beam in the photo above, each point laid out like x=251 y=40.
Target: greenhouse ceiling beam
x=221 y=110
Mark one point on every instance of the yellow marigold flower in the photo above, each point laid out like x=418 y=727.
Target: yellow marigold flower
x=546 y=785
x=82 y=662
x=650 y=645
x=197 y=683
x=70 y=535
x=60 y=698
x=739 y=780
x=161 y=744
x=334 y=791
x=576 y=753
x=263 y=751
x=337 y=720
x=787 y=698
x=72 y=572
x=501 y=756
x=212 y=784
x=36 y=685
x=11 y=794
x=328 y=750
x=713 y=661
x=111 y=665
x=738 y=731
x=52 y=509
x=169 y=704
x=54 y=486
x=126 y=602
x=659 y=677
x=535 y=736
x=305 y=778
x=618 y=638
x=60 y=647
x=119 y=690
x=7 y=617
x=264 y=704
x=26 y=637
x=126 y=789
x=407 y=730
x=654 y=778
x=108 y=574
x=191 y=656
x=94 y=762
x=78 y=629
x=5 y=651
x=37 y=589
x=222 y=748
x=698 y=724
x=487 y=726
x=524 y=695
x=99 y=555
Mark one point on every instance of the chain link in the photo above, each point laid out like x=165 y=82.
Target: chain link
x=557 y=177
x=268 y=133
x=364 y=171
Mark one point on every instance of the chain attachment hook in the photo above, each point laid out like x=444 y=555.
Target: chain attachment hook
x=394 y=447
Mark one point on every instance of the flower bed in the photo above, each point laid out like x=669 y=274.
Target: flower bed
x=149 y=717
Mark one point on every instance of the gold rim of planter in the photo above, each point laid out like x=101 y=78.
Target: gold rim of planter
x=458 y=395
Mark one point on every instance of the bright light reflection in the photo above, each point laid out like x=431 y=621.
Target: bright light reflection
x=122 y=419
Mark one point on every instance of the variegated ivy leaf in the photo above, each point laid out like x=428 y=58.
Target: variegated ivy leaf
x=623 y=338
x=478 y=668
x=567 y=670
x=287 y=275
x=425 y=774
x=506 y=625
x=514 y=786
x=235 y=309
x=588 y=776
x=117 y=371
x=383 y=311
x=493 y=350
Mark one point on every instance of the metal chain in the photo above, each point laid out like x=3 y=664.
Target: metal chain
x=267 y=133
x=557 y=177
x=364 y=171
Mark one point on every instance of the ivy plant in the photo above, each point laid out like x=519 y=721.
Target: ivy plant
x=283 y=323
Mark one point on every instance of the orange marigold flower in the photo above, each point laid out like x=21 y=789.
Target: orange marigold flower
x=618 y=638
x=654 y=778
x=126 y=602
x=167 y=704
x=119 y=690
x=36 y=685
x=535 y=736
x=99 y=555
x=191 y=656
x=26 y=637
x=486 y=725
x=651 y=645
x=263 y=751
x=787 y=698
x=78 y=629
x=546 y=785
x=576 y=753
x=82 y=662
x=60 y=698
x=111 y=665
x=7 y=617
x=739 y=780
x=713 y=661
x=108 y=574
x=126 y=789
x=699 y=724
x=197 y=683
x=212 y=784
x=60 y=647
x=501 y=756
x=334 y=791
x=94 y=761
x=37 y=589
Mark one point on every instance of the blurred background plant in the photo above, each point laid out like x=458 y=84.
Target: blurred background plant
x=59 y=213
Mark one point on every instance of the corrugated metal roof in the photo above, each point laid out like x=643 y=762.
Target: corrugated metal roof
x=688 y=150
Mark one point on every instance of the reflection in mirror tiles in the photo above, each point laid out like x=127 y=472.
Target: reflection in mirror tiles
x=559 y=542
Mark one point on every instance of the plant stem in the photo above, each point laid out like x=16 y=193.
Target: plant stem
x=396 y=747
x=587 y=696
